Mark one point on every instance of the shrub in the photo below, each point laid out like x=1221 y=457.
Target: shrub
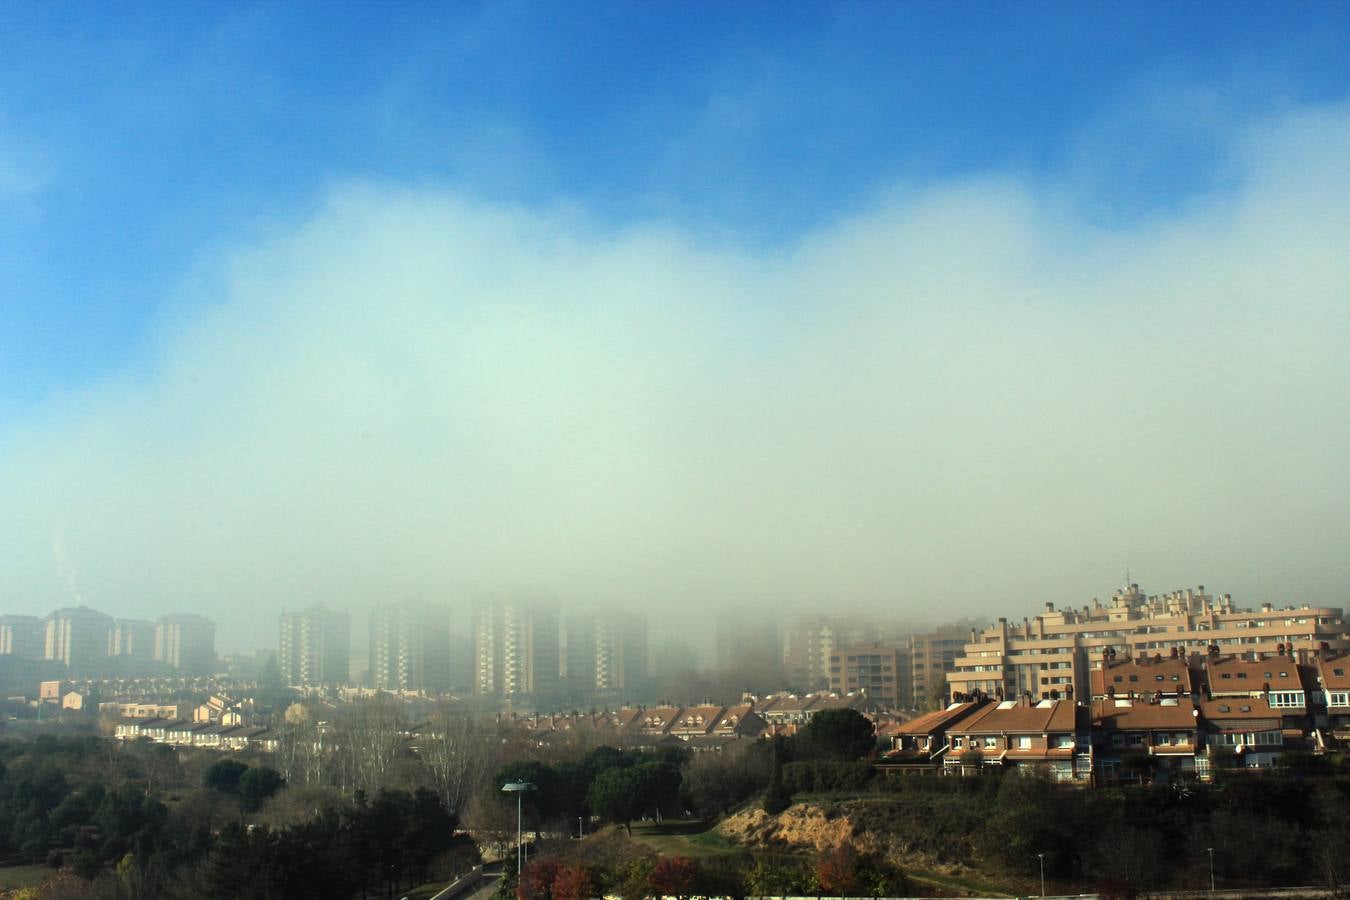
x=824 y=776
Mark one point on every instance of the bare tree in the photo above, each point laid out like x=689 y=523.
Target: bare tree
x=457 y=750
x=490 y=819
x=302 y=803
x=369 y=741
x=303 y=753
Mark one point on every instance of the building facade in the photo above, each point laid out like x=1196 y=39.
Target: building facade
x=409 y=648
x=78 y=636
x=22 y=636
x=931 y=657
x=809 y=644
x=870 y=668
x=607 y=652
x=186 y=642
x=516 y=646
x=132 y=639
x=1047 y=657
x=315 y=647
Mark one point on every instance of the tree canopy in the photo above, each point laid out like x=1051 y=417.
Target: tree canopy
x=844 y=734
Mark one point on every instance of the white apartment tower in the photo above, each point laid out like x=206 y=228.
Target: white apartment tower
x=607 y=652
x=409 y=647
x=22 y=636
x=314 y=647
x=186 y=642
x=515 y=648
x=78 y=637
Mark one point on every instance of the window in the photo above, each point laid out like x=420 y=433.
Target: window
x=1337 y=671
x=1023 y=742
x=1340 y=698
x=956 y=742
x=1286 y=699
x=991 y=743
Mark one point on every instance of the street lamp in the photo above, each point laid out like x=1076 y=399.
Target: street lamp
x=1041 y=857
x=518 y=788
x=1210 y=851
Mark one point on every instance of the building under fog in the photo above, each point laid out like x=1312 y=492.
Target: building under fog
x=186 y=642
x=314 y=647
x=22 y=636
x=410 y=647
x=515 y=648
x=132 y=639
x=606 y=652
x=78 y=636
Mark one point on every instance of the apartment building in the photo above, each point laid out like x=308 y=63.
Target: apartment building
x=607 y=652
x=516 y=649
x=409 y=647
x=931 y=657
x=873 y=669
x=1047 y=657
x=810 y=642
x=78 y=637
x=187 y=642
x=132 y=639
x=22 y=636
x=315 y=647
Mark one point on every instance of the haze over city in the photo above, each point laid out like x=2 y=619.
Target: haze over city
x=528 y=304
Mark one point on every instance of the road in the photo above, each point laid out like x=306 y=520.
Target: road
x=492 y=875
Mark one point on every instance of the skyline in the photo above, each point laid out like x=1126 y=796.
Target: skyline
x=857 y=305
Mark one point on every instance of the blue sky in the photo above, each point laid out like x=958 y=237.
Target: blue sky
x=138 y=138
x=688 y=303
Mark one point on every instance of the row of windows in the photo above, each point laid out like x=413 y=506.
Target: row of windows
x=1261 y=738
x=1120 y=678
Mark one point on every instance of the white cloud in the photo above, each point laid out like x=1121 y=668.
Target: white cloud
x=963 y=400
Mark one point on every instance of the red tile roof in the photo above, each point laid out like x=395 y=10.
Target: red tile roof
x=1043 y=717
x=1136 y=715
x=1165 y=675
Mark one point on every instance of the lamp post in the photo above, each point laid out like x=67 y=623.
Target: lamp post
x=1210 y=851
x=518 y=788
x=1041 y=857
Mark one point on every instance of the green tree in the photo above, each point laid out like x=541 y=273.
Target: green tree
x=840 y=734
x=224 y=776
x=258 y=784
x=622 y=795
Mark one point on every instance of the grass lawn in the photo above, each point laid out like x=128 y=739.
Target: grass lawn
x=694 y=838
x=23 y=876
x=947 y=883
